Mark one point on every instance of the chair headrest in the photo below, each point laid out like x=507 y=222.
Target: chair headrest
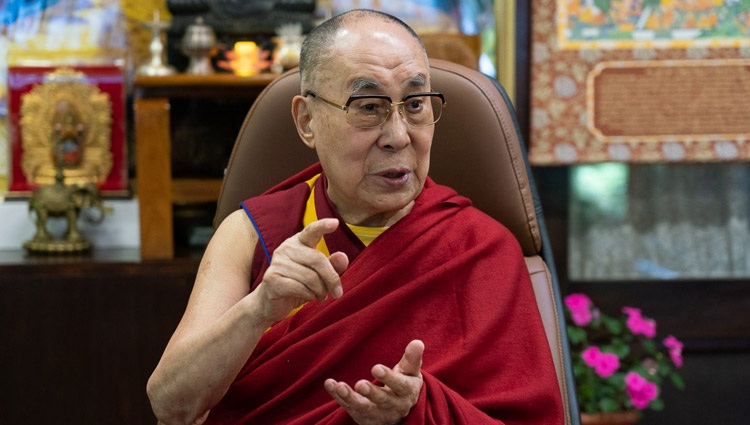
x=476 y=149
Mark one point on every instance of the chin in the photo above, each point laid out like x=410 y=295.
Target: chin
x=396 y=204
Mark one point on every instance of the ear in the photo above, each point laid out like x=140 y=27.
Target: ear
x=302 y=114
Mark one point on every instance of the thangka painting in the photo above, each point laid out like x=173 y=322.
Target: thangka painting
x=640 y=81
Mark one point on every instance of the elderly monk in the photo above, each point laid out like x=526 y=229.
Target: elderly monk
x=359 y=290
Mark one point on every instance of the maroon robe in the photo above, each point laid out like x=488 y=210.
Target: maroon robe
x=446 y=274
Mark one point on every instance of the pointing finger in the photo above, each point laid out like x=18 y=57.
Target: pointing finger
x=311 y=234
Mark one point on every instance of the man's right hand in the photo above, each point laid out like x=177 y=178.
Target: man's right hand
x=299 y=273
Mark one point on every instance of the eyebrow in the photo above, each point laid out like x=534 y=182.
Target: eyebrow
x=418 y=81
x=361 y=84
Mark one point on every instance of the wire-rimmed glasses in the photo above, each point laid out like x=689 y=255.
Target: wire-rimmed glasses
x=372 y=110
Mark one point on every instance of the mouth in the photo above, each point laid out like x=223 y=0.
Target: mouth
x=395 y=175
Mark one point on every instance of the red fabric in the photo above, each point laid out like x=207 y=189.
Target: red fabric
x=446 y=274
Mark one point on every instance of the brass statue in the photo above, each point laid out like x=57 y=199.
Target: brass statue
x=66 y=127
x=68 y=201
x=67 y=132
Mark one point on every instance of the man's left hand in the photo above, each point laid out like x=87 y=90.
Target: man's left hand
x=370 y=404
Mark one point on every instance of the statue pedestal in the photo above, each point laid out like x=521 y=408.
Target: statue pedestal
x=57 y=247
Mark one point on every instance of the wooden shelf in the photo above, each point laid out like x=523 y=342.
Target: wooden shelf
x=156 y=189
x=193 y=191
x=196 y=86
x=21 y=258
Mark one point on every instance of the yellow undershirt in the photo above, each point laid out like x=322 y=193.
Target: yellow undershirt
x=365 y=234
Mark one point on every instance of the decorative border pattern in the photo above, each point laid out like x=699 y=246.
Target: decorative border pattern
x=560 y=106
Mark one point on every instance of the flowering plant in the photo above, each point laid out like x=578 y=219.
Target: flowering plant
x=617 y=362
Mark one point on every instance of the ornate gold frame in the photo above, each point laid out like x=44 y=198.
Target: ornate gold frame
x=37 y=124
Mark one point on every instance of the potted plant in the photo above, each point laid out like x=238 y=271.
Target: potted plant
x=619 y=364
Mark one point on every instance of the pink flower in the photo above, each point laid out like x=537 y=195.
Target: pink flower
x=638 y=324
x=675 y=349
x=632 y=311
x=640 y=390
x=607 y=365
x=580 y=308
x=590 y=356
x=604 y=364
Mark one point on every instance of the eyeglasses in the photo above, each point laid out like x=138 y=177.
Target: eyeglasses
x=372 y=110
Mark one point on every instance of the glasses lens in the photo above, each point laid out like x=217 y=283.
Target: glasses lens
x=368 y=111
x=422 y=111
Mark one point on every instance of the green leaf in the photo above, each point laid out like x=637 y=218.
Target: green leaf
x=614 y=326
x=580 y=370
x=664 y=367
x=638 y=368
x=649 y=345
x=609 y=405
x=618 y=347
x=657 y=404
x=576 y=335
x=677 y=381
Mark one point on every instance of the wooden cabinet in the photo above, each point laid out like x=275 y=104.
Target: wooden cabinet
x=156 y=188
x=82 y=333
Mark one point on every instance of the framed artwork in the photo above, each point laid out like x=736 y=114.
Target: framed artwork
x=639 y=81
x=70 y=119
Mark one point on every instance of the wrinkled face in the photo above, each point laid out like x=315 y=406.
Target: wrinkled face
x=374 y=174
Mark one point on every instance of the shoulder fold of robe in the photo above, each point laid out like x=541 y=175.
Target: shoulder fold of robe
x=446 y=274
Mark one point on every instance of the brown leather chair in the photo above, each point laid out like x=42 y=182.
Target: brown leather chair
x=477 y=150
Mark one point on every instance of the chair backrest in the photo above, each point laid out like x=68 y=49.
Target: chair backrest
x=477 y=150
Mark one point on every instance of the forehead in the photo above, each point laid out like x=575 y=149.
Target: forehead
x=376 y=56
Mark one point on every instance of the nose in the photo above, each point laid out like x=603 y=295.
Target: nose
x=395 y=131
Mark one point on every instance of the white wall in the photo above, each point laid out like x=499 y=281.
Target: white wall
x=120 y=229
